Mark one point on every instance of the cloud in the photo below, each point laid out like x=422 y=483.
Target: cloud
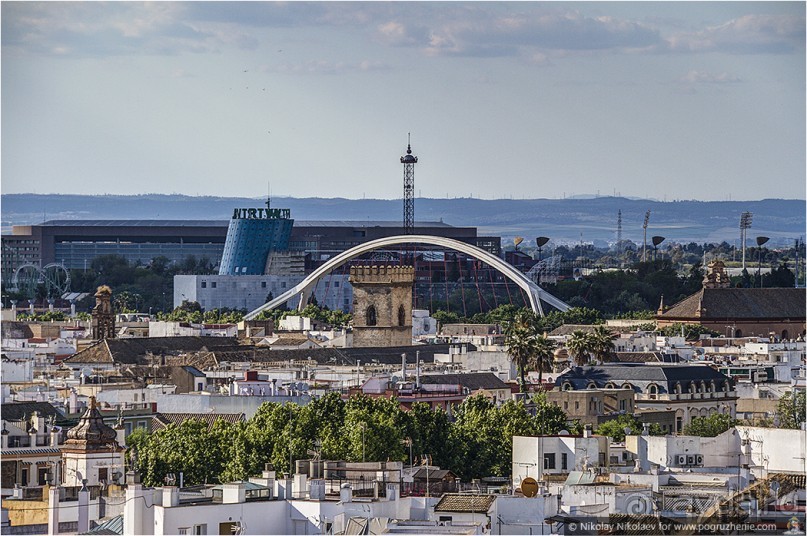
x=698 y=77
x=535 y=32
x=539 y=32
x=750 y=34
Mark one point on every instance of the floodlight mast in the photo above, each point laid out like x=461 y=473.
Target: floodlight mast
x=644 y=243
x=745 y=224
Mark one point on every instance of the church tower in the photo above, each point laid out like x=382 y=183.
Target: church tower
x=382 y=305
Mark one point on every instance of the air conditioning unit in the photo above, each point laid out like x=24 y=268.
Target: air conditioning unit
x=699 y=459
x=682 y=459
x=690 y=460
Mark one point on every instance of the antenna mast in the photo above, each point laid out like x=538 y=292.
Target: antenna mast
x=409 y=162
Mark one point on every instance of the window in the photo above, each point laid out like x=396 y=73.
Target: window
x=371 y=316
x=549 y=460
x=564 y=460
x=263 y=284
x=401 y=315
x=576 y=404
x=103 y=474
x=182 y=530
x=200 y=529
x=204 y=284
x=623 y=405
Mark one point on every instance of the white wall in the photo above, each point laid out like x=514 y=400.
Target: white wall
x=18 y=370
x=264 y=517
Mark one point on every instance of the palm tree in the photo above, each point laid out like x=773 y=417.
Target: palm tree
x=602 y=343
x=580 y=344
x=544 y=352
x=520 y=340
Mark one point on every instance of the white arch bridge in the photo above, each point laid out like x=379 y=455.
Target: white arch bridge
x=304 y=288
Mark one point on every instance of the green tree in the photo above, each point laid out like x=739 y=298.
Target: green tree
x=521 y=344
x=549 y=418
x=602 y=343
x=710 y=426
x=544 y=352
x=580 y=344
x=430 y=430
x=615 y=428
x=791 y=409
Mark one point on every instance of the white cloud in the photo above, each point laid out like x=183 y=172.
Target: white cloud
x=750 y=34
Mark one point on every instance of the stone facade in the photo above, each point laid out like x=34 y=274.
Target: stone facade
x=382 y=305
x=103 y=318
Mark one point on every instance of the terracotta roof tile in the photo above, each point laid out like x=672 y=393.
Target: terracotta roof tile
x=456 y=502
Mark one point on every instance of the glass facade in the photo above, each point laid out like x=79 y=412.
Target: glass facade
x=79 y=255
x=249 y=242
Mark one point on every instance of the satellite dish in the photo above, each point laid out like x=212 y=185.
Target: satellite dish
x=518 y=240
x=657 y=240
x=529 y=487
x=762 y=240
x=541 y=241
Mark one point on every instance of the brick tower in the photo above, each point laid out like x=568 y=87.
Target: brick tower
x=382 y=305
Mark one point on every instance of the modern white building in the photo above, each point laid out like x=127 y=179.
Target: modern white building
x=251 y=291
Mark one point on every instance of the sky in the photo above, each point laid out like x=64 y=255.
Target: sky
x=664 y=100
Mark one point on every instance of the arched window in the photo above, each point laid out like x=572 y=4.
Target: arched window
x=785 y=335
x=591 y=385
x=738 y=333
x=371 y=316
x=652 y=390
x=567 y=386
x=401 y=315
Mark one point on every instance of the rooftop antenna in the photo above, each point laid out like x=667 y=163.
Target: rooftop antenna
x=644 y=243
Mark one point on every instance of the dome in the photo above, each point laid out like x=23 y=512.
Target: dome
x=91 y=433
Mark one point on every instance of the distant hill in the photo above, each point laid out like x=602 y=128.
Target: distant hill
x=563 y=220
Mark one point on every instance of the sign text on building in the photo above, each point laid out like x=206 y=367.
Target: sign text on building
x=261 y=213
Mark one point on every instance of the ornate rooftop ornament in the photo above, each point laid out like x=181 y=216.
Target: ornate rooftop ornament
x=91 y=433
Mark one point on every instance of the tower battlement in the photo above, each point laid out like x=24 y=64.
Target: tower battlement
x=382 y=275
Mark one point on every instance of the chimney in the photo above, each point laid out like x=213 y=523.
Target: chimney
x=233 y=493
x=587 y=430
x=403 y=367
x=317 y=490
x=645 y=429
x=83 y=508
x=53 y=510
x=4 y=434
x=54 y=436
x=345 y=493
x=170 y=496
x=299 y=486
x=417 y=369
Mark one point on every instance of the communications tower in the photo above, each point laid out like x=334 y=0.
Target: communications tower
x=409 y=162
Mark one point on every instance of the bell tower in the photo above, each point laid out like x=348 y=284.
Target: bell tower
x=382 y=305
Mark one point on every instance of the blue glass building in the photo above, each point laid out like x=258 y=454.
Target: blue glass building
x=252 y=235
